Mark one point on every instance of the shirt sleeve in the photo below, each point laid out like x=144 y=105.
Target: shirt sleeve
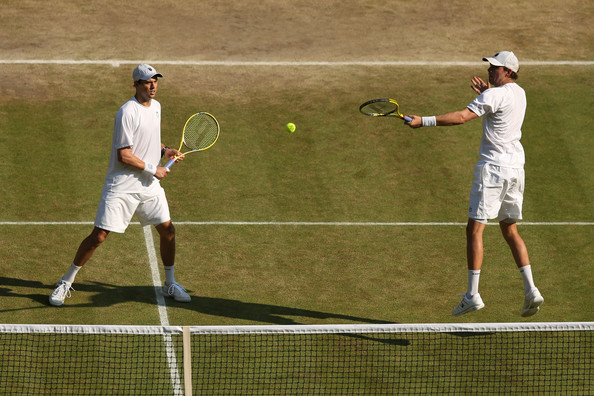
x=124 y=128
x=484 y=103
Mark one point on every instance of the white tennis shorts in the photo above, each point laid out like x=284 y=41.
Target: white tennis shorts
x=115 y=210
x=497 y=192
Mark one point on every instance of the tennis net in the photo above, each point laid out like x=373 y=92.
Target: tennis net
x=460 y=359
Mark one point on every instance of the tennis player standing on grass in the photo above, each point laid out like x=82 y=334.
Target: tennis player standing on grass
x=498 y=186
x=132 y=184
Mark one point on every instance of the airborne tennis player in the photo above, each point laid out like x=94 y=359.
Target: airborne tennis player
x=498 y=186
x=132 y=185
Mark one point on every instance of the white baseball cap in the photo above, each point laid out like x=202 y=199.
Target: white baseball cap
x=145 y=72
x=506 y=59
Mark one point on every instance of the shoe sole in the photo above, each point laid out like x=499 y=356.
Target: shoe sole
x=56 y=303
x=179 y=300
x=533 y=308
x=469 y=309
x=530 y=312
x=175 y=299
x=183 y=301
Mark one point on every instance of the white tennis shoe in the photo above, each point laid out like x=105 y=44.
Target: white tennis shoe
x=532 y=302
x=468 y=305
x=60 y=293
x=176 y=291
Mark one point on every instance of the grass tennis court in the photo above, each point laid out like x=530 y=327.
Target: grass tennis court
x=339 y=166
x=364 y=216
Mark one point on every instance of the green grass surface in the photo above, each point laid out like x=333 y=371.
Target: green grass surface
x=339 y=166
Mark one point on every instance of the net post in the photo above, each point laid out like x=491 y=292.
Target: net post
x=187 y=361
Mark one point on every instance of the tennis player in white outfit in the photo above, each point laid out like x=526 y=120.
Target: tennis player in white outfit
x=498 y=186
x=132 y=185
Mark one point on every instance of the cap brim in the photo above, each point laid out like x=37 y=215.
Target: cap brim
x=493 y=61
x=158 y=75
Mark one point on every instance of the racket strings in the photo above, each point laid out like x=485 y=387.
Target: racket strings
x=379 y=108
x=201 y=132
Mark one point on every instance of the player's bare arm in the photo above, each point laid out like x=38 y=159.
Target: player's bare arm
x=448 y=119
x=125 y=156
x=455 y=118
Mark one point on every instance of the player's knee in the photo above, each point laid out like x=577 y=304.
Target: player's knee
x=167 y=231
x=97 y=237
x=474 y=227
x=510 y=232
x=510 y=237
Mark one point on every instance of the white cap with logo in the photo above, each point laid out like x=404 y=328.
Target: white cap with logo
x=145 y=72
x=506 y=59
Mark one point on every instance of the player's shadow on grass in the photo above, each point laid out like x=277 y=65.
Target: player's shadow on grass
x=106 y=295
x=266 y=313
x=6 y=290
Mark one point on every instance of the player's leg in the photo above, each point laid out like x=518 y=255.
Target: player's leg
x=480 y=208
x=85 y=251
x=474 y=254
x=532 y=297
x=167 y=244
x=471 y=300
x=89 y=245
x=154 y=210
x=510 y=212
x=113 y=214
x=474 y=244
x=515 y=242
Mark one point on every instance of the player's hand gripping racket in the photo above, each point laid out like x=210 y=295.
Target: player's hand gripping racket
x=382 y=108
x=200 y=133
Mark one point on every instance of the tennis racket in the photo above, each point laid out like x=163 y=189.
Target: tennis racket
x=201 y=132
x=382 y=108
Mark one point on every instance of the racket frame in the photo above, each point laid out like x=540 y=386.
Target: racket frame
x=393 y=113
x=183 y=141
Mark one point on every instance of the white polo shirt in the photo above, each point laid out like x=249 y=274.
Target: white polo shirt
x=138 y=127
x=503 y=109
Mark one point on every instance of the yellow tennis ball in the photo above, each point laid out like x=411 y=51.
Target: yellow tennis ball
x=291 y=127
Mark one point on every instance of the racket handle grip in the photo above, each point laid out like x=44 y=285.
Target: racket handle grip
x=407 y=119
x=170 y=163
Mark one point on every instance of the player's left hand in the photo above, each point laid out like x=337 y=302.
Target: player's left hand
x=172 y=153
x=479 y=86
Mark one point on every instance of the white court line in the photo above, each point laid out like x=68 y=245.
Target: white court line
x=118 y=62
x=362 y=224
x=303 y=223
x=154 y=263
x=169 y=347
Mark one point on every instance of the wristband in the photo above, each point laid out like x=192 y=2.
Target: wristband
x=163 y=151
x=150 y=168
x=429 y=121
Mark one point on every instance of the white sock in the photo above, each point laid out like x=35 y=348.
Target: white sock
x=71 y=274
x=169 y=274
x=526 y=272
x=473 y=282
